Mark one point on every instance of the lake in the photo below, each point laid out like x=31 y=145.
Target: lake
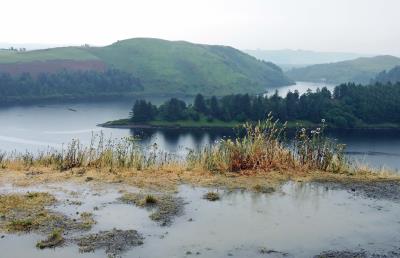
x=33 y=128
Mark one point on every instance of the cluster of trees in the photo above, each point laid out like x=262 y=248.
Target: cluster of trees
x=350 y=105
x=66 y=83
x=391 y=76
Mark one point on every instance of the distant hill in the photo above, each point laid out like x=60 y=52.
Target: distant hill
x=392 y=76
x=287 y=58
x=360 y=70
x=163 y=67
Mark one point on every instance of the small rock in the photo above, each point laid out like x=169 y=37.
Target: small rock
x=89 y=178
x=3 y=236
x=188 y=253
x=190 y=220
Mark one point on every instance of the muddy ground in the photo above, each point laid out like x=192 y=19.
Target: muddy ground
x=381 y=190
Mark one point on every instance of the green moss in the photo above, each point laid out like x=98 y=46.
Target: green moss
x=54 y=239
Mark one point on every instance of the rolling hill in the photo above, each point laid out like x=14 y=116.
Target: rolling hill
x=360 y=70
x=288 y=58
x=163 y=67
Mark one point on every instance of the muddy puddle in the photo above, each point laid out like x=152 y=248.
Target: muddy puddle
x=299 y=220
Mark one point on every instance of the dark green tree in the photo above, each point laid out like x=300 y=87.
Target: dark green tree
x=200 y=104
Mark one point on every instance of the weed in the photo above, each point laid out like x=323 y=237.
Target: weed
x=54 y=239
x=211 y=196
x=20 y=225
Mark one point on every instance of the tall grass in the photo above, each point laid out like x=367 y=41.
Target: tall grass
x=313 y=150
x=265 y=147
x=262 y=147
x=100 y=153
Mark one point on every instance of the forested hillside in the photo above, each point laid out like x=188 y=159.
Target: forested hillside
x=163 y=67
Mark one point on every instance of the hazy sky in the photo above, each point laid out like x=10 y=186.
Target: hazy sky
x=364 y=26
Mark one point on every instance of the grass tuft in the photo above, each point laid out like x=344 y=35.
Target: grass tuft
x=54 y=239
x=212 y=196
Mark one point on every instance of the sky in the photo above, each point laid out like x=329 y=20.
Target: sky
x=361 y=26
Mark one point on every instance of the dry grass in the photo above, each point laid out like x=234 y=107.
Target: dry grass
x=261 y=157
x=30 y=212
x=24 y=212
x=166 y=206
x=211 y=196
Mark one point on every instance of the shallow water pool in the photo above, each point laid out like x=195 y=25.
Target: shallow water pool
x=300 y=220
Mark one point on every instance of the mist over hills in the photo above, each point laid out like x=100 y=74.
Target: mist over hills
x=361 y=70
x=288 y=58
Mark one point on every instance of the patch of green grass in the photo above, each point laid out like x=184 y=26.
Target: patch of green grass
x=54 y=239
x=61 y=53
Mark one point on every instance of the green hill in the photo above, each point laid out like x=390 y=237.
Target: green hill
x=288 y=58
x=62 y=53
x=163 y=67
x=360 y=70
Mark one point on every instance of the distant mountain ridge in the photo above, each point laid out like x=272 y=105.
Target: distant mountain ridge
x=288 y=58
x=163 y=67
x=361 y=70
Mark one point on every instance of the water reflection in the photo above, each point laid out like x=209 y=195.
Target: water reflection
x=301 y=220
x=301 y=87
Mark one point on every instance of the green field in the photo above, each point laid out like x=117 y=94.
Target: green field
x=62 y=53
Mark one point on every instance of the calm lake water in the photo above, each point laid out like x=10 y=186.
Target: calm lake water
x=36 y=128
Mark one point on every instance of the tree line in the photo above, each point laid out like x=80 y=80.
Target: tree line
x=349 y=105
x=66 y=83
x=391 y=76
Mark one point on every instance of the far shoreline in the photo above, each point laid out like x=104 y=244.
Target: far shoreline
x=193 y=125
